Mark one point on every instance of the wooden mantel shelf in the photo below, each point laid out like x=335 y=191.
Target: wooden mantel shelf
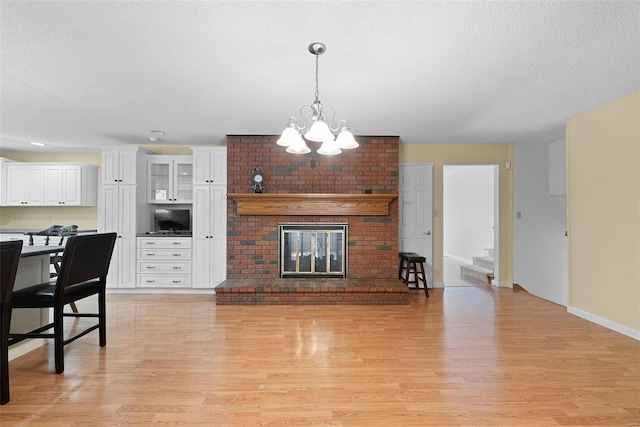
x=313 y=204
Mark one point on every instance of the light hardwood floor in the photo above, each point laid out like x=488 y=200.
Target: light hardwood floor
x=469 y=356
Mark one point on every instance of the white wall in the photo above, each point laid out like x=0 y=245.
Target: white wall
x=540 y=222
x=468 y=210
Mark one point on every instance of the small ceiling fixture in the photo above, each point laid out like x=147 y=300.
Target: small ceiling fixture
x=314 y=122
x=39 y=144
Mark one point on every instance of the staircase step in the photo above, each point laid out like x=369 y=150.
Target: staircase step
x=483 y=261
x=477 y=272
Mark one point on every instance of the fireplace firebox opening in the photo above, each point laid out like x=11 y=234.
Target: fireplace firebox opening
x=314 y=249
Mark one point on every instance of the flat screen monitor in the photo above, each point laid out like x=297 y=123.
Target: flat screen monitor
x=172 y=219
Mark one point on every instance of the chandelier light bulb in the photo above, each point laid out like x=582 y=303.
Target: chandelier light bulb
x=298 y=146
x=345 y=140
x=329 y=147
x=288 y=136
x=319 y=132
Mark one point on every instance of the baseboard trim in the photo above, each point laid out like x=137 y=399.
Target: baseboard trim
x=624 y=330
x=438 y=285
x=25 y=347
x=174 y=291
x=502 y=284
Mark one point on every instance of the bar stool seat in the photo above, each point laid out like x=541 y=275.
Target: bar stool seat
x=411 y=262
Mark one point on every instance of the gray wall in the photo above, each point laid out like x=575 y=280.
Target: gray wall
x=540 y=262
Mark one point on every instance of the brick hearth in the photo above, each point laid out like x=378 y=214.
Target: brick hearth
x=311 y=292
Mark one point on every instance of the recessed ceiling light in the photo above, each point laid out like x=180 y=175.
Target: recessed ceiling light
x=39 y=144
x=157 y=132
x=154 y=139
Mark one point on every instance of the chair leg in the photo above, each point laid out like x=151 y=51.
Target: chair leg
x=58 y=338
x=5 y=318
x=424 y=280
x=102 y=316
x=407 y=272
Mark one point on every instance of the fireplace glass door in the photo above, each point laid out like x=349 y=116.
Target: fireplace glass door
x=307 y=251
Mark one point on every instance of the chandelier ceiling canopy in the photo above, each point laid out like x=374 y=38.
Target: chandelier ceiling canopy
x=314 y=124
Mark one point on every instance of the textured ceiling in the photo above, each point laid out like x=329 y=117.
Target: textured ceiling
x=85 y=75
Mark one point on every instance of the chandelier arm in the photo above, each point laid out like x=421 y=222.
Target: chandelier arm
x=305 y=112
x=293 y=122
x=333 y=117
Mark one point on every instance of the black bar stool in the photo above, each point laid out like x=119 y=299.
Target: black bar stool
x=411 y=262
x=9 y=258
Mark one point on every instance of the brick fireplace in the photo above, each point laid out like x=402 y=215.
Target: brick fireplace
x=252 y=239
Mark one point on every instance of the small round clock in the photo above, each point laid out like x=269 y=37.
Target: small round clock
x=257 y=176
x=257 y=179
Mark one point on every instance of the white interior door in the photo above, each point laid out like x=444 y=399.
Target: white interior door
x=416 y=212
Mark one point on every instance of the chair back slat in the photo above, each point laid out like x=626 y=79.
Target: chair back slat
x=9 y=258
x=85 y=257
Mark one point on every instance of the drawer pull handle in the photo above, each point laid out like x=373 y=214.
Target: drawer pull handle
x=177 y=281
x=150 y=267
x=151 y=243
x=151 y=281
x=177 y=268
x=177 y=254
x=177 y=243
x=151 y=254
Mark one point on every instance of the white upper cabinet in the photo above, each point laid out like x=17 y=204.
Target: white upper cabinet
x=50 y=184
x=169 y=179
x=210 y=165
x=25 y=184
x=119 y=165
x=3 y=180
x=70 y=185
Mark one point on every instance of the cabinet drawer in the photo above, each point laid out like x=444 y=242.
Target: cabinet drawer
x=164 y=254
x=164 y=242
x=153 y=281
x=178 y=267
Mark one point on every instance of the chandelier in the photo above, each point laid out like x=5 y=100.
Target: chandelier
x=313 y=124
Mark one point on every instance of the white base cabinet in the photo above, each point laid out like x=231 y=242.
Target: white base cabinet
x=164 y=262
x=209 y=235
x=118 y=213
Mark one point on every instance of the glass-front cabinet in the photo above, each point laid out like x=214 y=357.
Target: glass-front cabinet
x=170 y=179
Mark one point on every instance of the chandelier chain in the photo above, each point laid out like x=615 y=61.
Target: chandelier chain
x=317 y=74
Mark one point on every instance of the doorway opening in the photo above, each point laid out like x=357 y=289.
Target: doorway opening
x=470 y=225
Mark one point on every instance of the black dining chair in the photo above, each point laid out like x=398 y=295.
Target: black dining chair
x=83 y=272
x=9 y=257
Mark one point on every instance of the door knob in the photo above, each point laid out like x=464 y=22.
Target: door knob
x=428 y=233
